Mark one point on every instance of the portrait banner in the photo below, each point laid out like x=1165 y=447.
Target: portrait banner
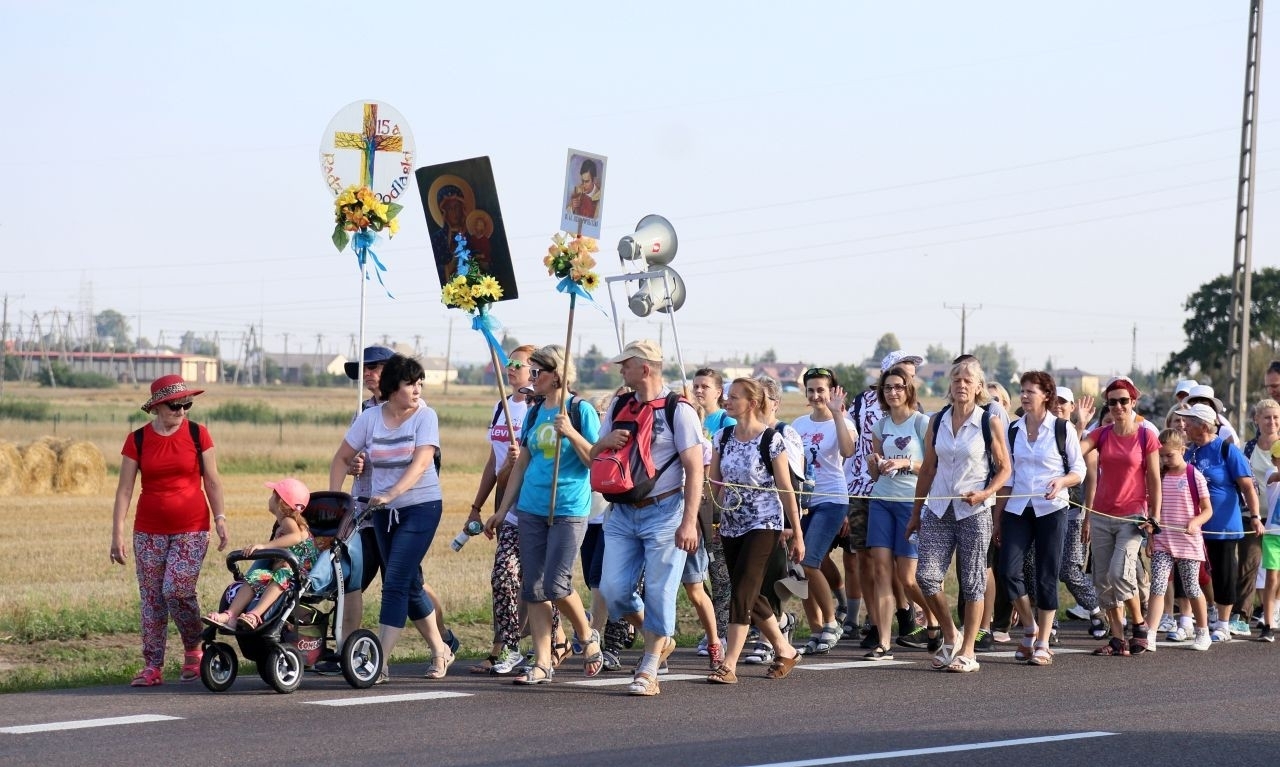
x=461 y=198
x=582 y=204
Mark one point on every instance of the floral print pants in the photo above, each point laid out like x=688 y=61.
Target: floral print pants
x=505 y=580
x=168 y=567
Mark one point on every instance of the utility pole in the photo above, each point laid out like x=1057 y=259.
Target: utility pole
x=448 y=354
x=285 y=373
x=417 y=344
x=965 y=311
x=1242 y=263
x=1133 y=351
x=4 y=341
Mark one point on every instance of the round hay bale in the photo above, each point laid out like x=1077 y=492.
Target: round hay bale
x=81 y=469
x=39 y=464
x=10 y=469
x=56 y=444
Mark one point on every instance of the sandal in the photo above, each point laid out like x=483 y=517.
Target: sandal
x=485 y=666
x=535 y=674
x=592 y=662
x=249 y=622
x=1116 y=648
x=1041 y=657
x=148 y=677
x=666 y=652
x=963 y=665
x=1024 y=651
x=644 y=684
x=439 y=666
x=722 y=675
x=883 y=652
x=781 y=667
x=933 y=638
x=559 y=652
x=944 y=657
x=221 y=620
x=191 y=665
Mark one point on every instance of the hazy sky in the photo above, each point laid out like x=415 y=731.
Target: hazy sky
x=834 y=170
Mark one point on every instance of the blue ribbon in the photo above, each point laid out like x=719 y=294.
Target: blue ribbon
x=362 y=244
x=486 y=323
x=464 y=255
x=567 y=285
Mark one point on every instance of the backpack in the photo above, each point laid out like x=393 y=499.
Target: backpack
x=627 y=474
x=766 y=439
x=1195 y=491
x=195 y=437
x=1059 y=435
x=531 y=416
x=986 y=434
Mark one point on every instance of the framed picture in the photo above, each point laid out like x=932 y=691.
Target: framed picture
x=582 y=204
x=460 y=198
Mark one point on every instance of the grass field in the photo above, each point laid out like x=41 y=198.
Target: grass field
x=69 y=617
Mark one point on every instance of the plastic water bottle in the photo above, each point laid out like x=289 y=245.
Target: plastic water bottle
x=472 y=529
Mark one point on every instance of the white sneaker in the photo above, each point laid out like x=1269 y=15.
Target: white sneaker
x=702 y=646
x=1220 y=633
x=1002 y=637
x=1177 y=635
x=1202 y=640
x=1167 y=624
x=1079 y=613
x=1213 y=614
x=1151 y=642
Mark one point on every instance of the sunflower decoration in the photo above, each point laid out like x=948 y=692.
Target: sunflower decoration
x=358 y=209
x=470 y=289
x=570 y=258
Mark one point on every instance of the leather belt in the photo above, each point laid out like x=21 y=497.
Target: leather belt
x=643 y=502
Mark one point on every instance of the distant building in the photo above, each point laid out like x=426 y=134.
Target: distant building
x=730 y=370
x=294 y=368
x=437 y=370
x=1078 y=381
x=125 y=367
x=785 y=373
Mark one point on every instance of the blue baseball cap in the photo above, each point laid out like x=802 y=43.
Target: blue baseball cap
x=372 y=355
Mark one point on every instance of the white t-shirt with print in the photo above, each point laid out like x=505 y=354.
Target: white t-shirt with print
x=821 y=454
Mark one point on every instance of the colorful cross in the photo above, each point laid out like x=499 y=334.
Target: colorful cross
x=369 y=142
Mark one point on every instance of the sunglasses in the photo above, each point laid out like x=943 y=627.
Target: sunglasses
x=1119 y=402
x=514 y=364
x=817 y=373
x=894 y=387
x=534 y=373
x=178 y=407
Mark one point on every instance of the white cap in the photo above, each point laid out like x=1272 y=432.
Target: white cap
x=1065 y=393
x=1184 y=386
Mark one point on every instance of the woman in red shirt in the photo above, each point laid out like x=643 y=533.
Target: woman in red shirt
x=180 y=486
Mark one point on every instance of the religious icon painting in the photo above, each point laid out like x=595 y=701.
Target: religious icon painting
x=368 y=143
x=461 y=198
x=582 y=204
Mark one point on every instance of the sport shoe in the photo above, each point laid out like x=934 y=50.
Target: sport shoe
x=984 y=642
x=871 y=640
x=611 y=660
x=1097 y=626
x=702 y=648
x=1213 y=614
x=1167 y=624
x=1238 y=627
x=1078 y=612
x=508 y=660
x=761 y=654
x=917 y=638
x=1177 y=635
x=1220 y=633
x=1001 y=637
x=787 y=625
x=842 y=612
x=716 y=653
x=1265 y=635
x=850 y=631
x=1202 y=640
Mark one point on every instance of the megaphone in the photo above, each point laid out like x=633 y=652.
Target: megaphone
x=654 y=241
x=664 y=293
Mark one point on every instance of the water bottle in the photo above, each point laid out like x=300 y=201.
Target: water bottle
x=472 y=529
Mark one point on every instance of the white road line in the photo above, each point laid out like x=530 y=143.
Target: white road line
x=438 y=695
x=852 y=758
x=82 y=724
x=851 y=664
x=1009 y=653
x=615 y=682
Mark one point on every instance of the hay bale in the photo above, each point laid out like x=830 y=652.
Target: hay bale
x=81 y=469
x=39 y=464
x=10 y=469
x=56 y=444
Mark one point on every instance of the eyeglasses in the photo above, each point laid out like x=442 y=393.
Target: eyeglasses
x=1119 y=402
x=894 y=387
x=178 y=407
x=817 y=373
x=534 y=373
x=514 y=364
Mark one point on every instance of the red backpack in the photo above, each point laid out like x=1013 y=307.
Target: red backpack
x=627 y=474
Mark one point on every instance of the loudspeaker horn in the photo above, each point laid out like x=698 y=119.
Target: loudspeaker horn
x=654 y=241
x=662 y=294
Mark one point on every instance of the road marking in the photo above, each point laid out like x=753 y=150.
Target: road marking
x=82 y=724
x=1009 y=653
x=612 y=682
x=852 y=664
x=438 y=695
x=851 y=758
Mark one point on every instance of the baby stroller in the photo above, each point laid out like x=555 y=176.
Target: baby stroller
x=274 y=645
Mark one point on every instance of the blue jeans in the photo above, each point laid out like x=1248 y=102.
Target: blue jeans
x=821 y=525
x=404 y=535
x=1018 y=533
x=644 y=540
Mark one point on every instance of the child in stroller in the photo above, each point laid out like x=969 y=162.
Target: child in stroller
x=272 y=578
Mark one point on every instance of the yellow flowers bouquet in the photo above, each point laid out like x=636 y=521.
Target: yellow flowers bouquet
x=359 y=210
x=570 y=258
x=471 y=288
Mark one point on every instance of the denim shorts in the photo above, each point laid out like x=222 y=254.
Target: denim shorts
x=547 y=554
x=821 y=525
x=887 y=528
x=696 y=566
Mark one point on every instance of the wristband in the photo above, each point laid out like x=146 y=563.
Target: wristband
x=216 y=517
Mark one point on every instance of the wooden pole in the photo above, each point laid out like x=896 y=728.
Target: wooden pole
x=498 y=373
x=564 y=401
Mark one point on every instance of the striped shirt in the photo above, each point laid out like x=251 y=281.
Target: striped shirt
x=391 y=451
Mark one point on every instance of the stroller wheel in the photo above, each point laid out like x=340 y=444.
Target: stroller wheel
x=283 y=669
x=361 y=659
x=218 y=667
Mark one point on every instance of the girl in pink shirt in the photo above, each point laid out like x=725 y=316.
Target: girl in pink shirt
x=1184 y=507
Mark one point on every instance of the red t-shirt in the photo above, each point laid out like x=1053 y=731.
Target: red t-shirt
x=1122 y=471
x=172 y=499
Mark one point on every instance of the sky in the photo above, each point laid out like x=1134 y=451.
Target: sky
x=1065 y=172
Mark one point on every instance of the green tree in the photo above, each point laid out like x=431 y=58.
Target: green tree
x=509 y=343
x=887 y=343
x=769 y=356
x=1207 y=328
x=938 y=355
x=851 y=376
x=112 y=326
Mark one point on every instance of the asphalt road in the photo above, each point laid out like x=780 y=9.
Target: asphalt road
x=1177 y=706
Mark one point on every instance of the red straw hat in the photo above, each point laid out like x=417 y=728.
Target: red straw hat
x=166 y=389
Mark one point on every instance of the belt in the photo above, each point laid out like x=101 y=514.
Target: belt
x=643 y=502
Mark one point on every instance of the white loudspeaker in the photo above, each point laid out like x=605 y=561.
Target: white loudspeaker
x=662 y=294
x=654 y=241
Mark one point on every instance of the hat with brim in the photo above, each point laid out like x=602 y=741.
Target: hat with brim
x=167 y=389
x=897 y=357
x=1200 y=412
x=1065 y=394
x=644 y=349
x=372 y=355
x=292 y=492
x=794 y=585
x=1185 y=386
x=1206 y=393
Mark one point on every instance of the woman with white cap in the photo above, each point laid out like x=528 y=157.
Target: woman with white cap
x=1230 y=479
x=176 y=459
x=1202 y=394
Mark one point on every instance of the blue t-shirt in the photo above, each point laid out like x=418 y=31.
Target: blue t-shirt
x=716 y=421
x=573 y=485
x=1224 y=493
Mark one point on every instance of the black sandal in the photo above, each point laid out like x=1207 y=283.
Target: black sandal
x=559 y=652
x=480 y=668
